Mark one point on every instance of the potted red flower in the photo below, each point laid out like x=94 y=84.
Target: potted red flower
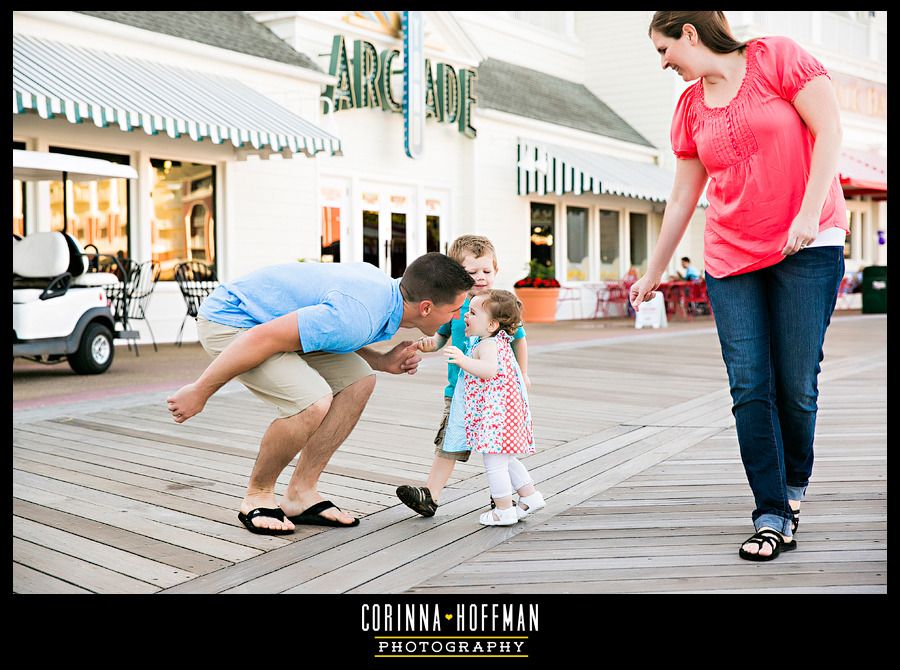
x=538 y=293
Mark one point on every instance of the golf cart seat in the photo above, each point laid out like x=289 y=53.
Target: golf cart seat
x=53 y=261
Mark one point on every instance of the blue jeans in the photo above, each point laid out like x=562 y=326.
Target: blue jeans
x=771 y=326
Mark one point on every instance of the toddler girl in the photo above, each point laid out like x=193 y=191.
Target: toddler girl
x=489 y=412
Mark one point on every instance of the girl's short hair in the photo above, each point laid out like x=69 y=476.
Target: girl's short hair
x=505 y=308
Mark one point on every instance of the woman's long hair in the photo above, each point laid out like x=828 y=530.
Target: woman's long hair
x=712 y=29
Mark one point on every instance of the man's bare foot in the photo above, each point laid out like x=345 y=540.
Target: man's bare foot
x=186 y=402
x=296 y=505
x=265 y=501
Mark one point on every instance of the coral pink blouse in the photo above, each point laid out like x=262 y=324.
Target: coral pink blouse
x=757 y=152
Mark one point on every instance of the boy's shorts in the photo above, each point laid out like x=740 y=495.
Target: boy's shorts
x=289 y=381
x=461 y=456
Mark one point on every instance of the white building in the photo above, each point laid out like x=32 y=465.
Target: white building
x=546 y=131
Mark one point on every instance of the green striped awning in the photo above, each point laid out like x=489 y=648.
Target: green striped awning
x=545 y=169
x=110 y=90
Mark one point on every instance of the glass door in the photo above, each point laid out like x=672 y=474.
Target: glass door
x=386 y=215
x=333 y=208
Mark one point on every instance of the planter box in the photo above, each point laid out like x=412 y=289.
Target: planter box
x=538 y=304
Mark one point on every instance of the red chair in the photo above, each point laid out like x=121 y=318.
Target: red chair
x=697 y=299
x=616 y=293
x=844 y=292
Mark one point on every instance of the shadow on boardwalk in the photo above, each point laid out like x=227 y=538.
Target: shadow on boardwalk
x=637 y=457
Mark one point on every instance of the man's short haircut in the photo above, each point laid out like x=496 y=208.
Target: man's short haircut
x=476 y=245
x=435 y=277
x=685 y=258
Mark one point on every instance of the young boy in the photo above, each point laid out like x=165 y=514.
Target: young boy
x=476 y=254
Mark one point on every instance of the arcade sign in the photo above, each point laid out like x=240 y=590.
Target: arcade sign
x=365 y=81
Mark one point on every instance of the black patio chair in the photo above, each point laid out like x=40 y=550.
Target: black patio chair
x=139 y=289
x=195 y=280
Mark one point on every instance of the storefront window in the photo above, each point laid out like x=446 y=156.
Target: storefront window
x=97 y=210
x=638 y=230
x=18 y=200
x=18 y=207
x=542 y=233
x=609 y=245
x=577 y=243
x=433 y=233
x=398 y=244
x=848 y=241
x=331 y=235
x=183 y=221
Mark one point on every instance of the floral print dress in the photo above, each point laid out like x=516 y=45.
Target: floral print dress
x=491 y=416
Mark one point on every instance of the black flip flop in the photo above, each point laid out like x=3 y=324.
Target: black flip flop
x=312 y=517
x=273 y=512
x=770 y=537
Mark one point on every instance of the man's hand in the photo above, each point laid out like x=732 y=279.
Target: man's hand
x=186 y=402
x=402 y=358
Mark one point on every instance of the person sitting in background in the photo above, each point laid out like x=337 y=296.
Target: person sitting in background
x=688 y=271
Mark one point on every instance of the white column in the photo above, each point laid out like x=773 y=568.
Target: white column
x=141 y=207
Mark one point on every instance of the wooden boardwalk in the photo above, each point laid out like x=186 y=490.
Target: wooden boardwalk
x=637 y=457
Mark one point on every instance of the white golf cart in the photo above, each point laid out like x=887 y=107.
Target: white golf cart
x=60 y=307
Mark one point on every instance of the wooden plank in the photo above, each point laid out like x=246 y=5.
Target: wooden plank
x=99 y=554
x=86 y=575
x=455 y=579
x=815 y=582
x=28 y=580
x=135 y=522
x=141 y=545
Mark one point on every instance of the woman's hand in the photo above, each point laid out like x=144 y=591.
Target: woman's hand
x=643 y=290
x=453 y=354
x=803 y=232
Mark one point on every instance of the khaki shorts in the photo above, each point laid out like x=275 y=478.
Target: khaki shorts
x=461 y=456
x=290 y=381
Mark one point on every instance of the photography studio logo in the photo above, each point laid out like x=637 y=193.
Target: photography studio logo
x=469 y=630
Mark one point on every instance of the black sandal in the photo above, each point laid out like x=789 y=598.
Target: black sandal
x=770 y=537
x=418 y=499
x=273 y=512
x=795 y=524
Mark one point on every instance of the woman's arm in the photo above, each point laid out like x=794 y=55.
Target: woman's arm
x=482 y=365
x=690 y=178
x=817 y=105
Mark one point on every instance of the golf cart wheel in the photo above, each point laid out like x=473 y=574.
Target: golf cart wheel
x=95 y=352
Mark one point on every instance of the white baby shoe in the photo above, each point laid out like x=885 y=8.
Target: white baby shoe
x=532 y=503
x=506 y=517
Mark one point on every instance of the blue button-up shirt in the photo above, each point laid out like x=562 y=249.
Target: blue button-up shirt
x=340 y=307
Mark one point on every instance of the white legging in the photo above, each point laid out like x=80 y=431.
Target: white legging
x=505 y=474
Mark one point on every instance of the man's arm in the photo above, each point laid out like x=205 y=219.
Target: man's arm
x=402 y=358
x=244 y=353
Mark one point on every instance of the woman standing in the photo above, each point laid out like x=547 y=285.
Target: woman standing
x=762 y=124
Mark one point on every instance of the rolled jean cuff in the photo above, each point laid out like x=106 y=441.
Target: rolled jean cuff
x=775 y=522
x=797 y=492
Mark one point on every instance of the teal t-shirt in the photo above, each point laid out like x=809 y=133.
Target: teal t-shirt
x=456 y=331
